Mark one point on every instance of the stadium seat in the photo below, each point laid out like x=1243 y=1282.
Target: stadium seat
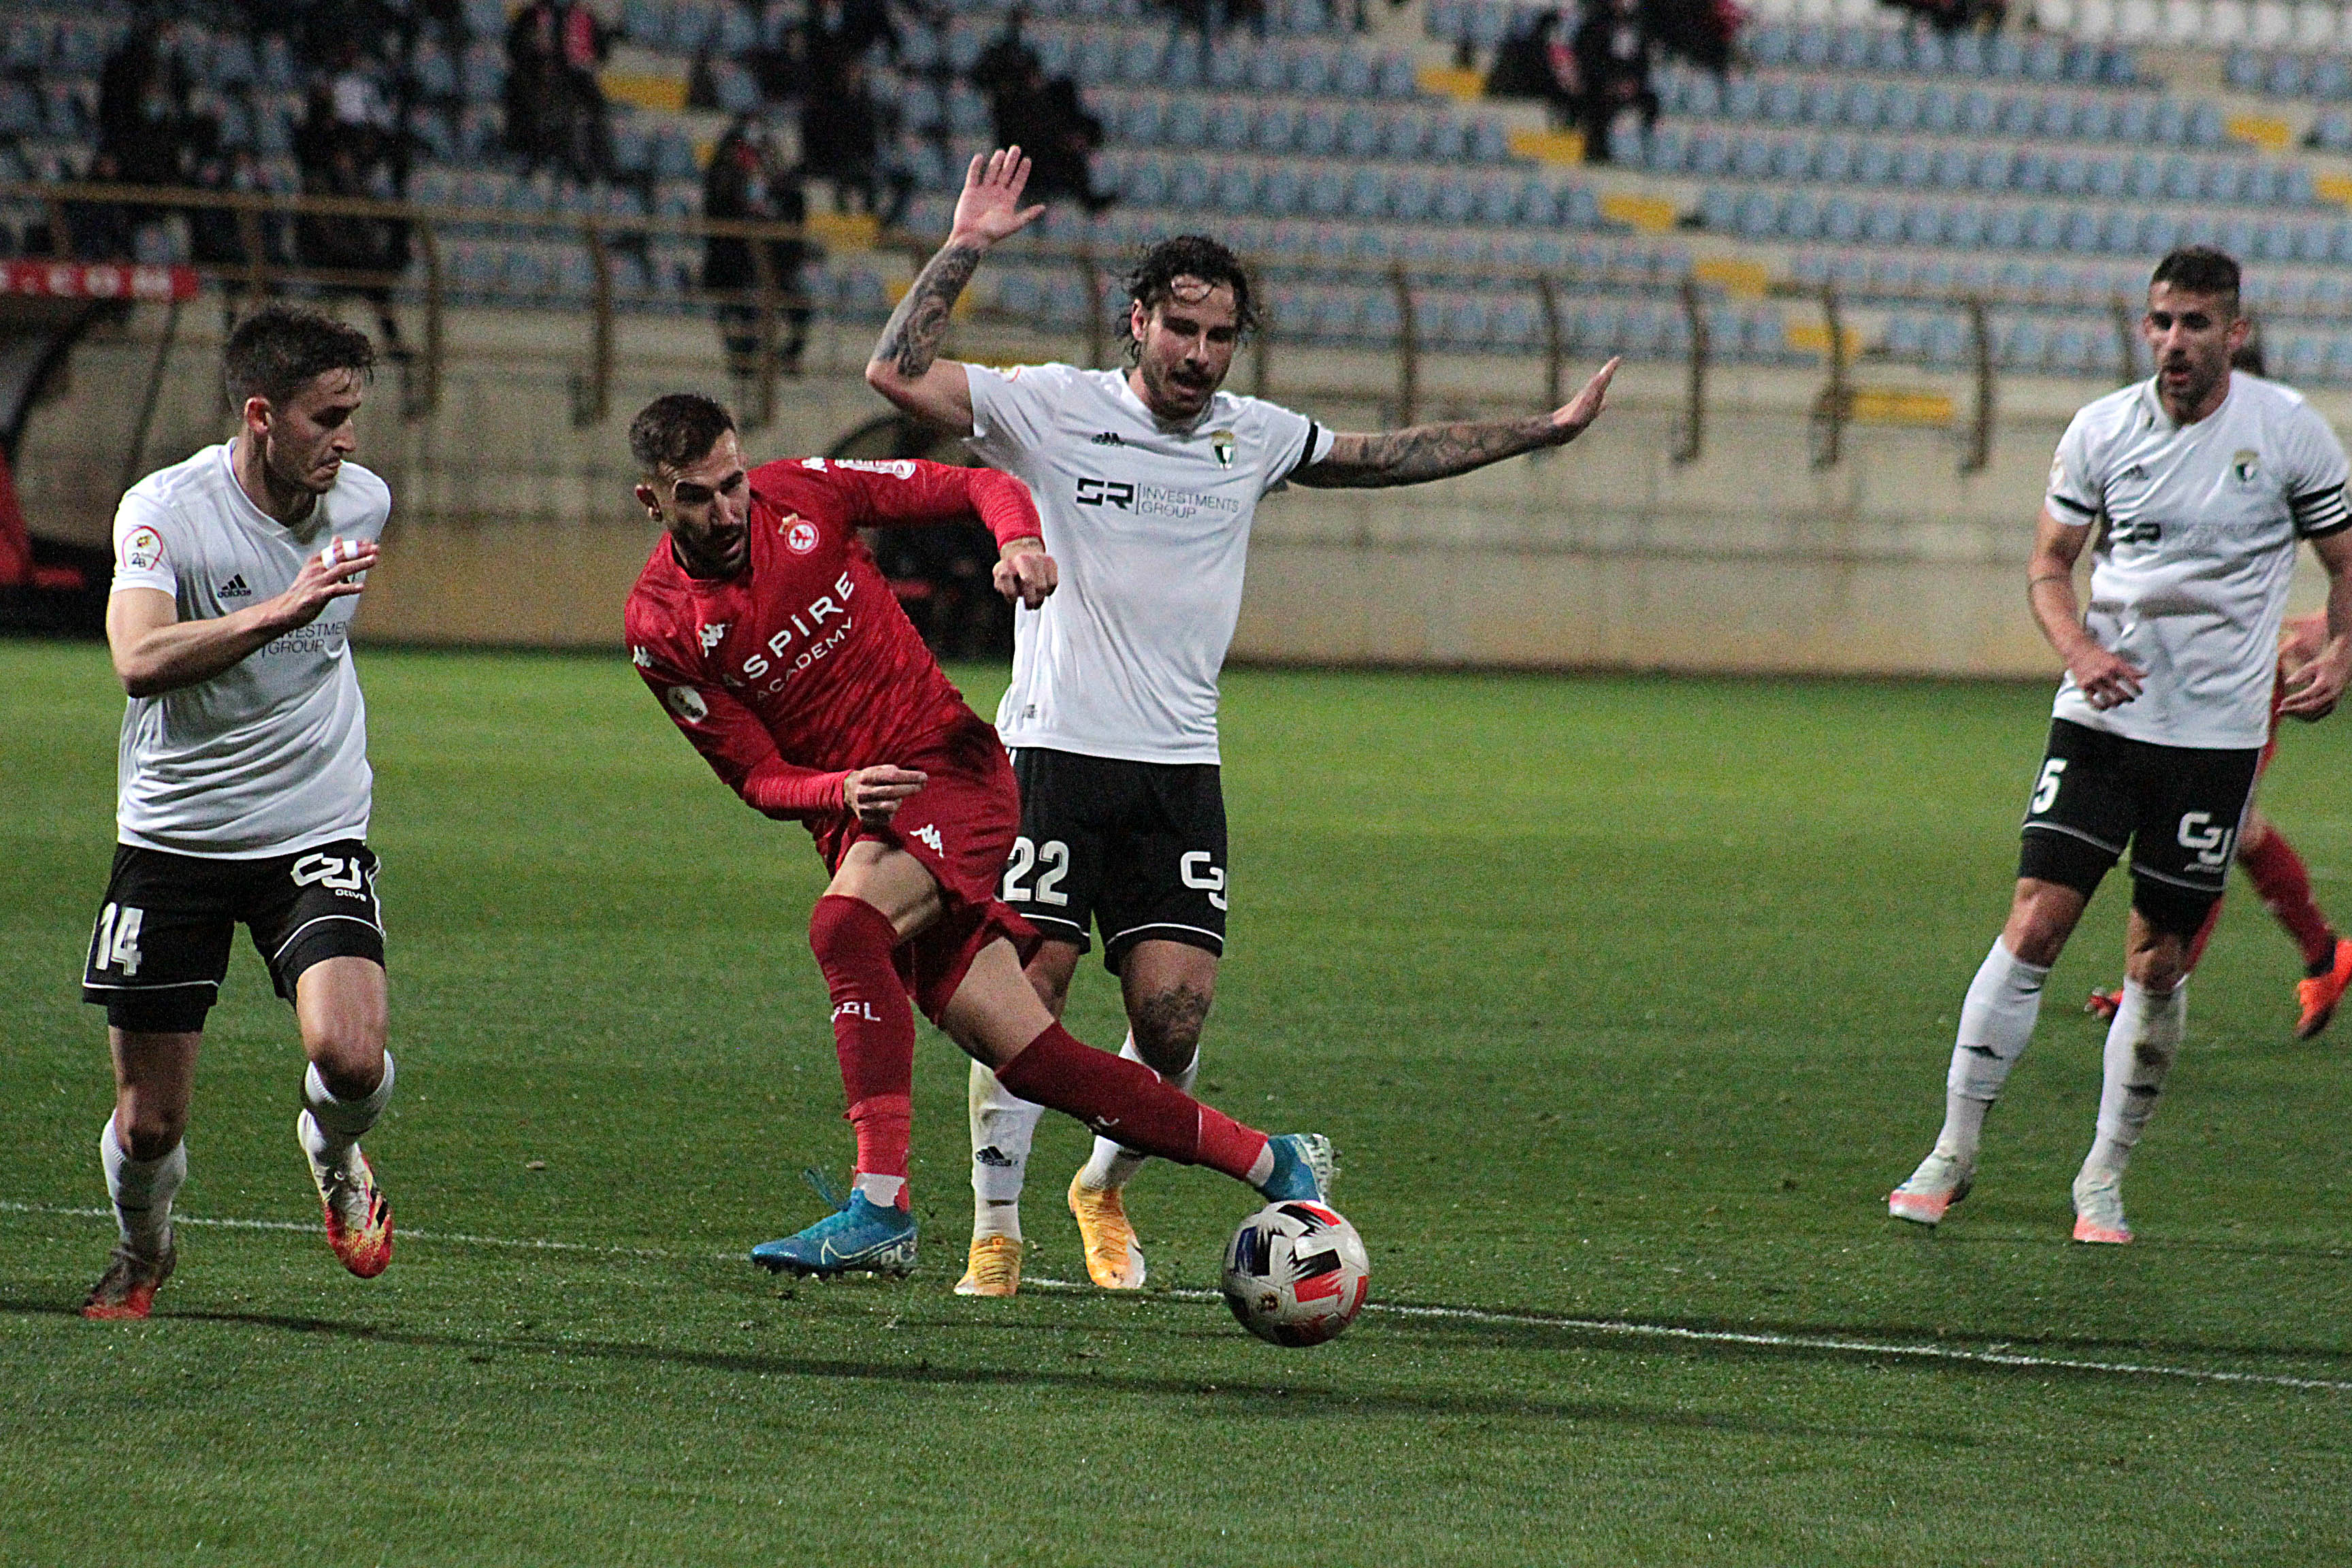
x=1882 y=222
x=1282 y=193
x=1801 y=217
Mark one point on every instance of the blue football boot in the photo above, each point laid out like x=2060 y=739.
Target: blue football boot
x=857 y=1237
x=1302 y=1168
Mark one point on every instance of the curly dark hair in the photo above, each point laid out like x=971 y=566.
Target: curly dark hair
x=676 y=430
x=280 y=349
x=1153 y=282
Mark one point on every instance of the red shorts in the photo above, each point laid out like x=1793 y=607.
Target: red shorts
x=961 y=825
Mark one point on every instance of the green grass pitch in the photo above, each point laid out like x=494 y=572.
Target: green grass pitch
x=1624 y=999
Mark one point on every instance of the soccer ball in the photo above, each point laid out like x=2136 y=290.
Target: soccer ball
x=1296 y=1274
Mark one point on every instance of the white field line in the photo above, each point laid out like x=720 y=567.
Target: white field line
x=1629 y=1330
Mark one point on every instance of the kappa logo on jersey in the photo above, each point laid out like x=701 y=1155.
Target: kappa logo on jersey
x=2244 y=464
x=642 y=657
x=800 y=534
x=143 y=549
x=897 y=468
x=713 y=636
x=1108 y=438
x=687 y=704
x=1106 y=492
x=930 y=834
x=1221 y=443
x=328 y=872
x=235 y=588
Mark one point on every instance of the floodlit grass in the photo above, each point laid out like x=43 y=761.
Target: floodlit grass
x=1625 y=1001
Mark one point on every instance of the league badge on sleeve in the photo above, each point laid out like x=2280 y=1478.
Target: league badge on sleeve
x=687 y=704
x=143 y=549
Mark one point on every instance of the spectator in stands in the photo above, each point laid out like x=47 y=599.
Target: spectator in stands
x=1044 y=118
x=1700 y=31
x=840 y=31
x=843 y=129
x=340 y=157
x=556 y=114
x=1958 y=16
x=1005 y=63
x=1614 y=52
x=749 y=182
x=1534 y=62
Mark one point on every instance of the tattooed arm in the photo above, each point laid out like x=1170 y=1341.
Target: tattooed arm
x=905 y=367
x=1422 y=452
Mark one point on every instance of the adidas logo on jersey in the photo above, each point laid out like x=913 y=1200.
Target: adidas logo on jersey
x=1108 y=438
x=930 y=834
x=235 y=588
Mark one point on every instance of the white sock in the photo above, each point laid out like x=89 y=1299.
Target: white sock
x=336 y=1124
x=143 y=1191
x=1261 y=1169
x=1112 y=1164
x=882 y=1192
x=1002 y=1126
x=1996 y=1022
x=2141 y=1045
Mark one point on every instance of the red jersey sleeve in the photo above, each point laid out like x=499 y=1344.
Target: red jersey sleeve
x=905 y=490
x=737 y=745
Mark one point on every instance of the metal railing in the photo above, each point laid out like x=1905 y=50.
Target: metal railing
x=770 y=298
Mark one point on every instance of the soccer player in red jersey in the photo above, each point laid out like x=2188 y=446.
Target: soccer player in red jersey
x=2280 y=878
x=764 y=626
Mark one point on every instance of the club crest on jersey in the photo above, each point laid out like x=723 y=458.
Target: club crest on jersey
x=1221 y=443
x=713 y=636
x=2245 y=464
x=687 y=704
x=800 y=534
x=143 y=549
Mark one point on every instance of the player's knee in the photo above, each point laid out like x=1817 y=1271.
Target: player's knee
x=1167 y=1026
x=349 y=1057
x=842 y=928
x=149 y=1129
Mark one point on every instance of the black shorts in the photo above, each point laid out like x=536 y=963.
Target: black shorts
x=2176 y=807
x=160 y=949
x=1135 y=848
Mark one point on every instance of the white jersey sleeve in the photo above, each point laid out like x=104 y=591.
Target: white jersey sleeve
x=144 y=556
x=1013 y=410
x=2316 y=474
x=1291 y=433
x=2077 y=474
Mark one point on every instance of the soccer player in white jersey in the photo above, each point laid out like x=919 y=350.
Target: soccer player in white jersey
x=1147 y=481
x=2206 y=479
x=244 y=788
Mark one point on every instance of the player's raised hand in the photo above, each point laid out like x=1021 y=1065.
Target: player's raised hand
x=2105 y=680
x=1024 y=573
x=990 y=208
x=2313 y=687
x=1585 y=407
x=327 y=577
x=874 y=794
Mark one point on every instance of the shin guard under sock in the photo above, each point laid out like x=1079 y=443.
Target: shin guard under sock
x=874 y=1036
x=1127 y=1101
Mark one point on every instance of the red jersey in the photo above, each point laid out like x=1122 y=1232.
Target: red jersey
x=802 y=667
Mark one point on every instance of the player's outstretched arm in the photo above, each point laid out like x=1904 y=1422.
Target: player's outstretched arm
x=154 y=651
x=2313 y=687
x=905 y=367
x=2105 y=680
x=1424 y=452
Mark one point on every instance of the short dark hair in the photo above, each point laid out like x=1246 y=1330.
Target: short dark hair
x=1153 y=282
x=676 y=430
x=280 y=349
x=2200 y=270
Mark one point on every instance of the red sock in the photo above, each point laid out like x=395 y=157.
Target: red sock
x=1126 y=1101
x=2285 y=888
x=873 y=1030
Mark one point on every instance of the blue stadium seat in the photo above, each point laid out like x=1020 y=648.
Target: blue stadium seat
x=1284 y=192
x=1485 y=142
x=1310 y=72
x=2311 y=240
x=2082 y=233
x=1367 y=195
x=1669 y=148
x=1841 y=220
x=1232 y=123
x=1410 y=198
x=1924 y=222
x=1752 y=158
x=1882 y=222
x=1188 y=184
x=1873 y=163
x=1326 y=192
x=1783 y=102
x=1947 y=342
x=1792 y=157
x=1237 y=188
x=1276 y=128
x=1994 y=169
x=1979 y=112
x=1318 y=130
x=1965 y=226
x=1757 y=216
x=484 y=71
x=1914 y=164
x=1833 y=165
x=1184 y=123
x=1404 y=134
x=1710 y=153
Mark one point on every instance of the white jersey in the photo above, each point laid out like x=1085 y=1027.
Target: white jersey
x=1150 y=526
x=2190 y=581
x=269 y=756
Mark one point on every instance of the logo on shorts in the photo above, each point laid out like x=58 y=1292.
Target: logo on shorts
x=2198 y=832
x=930 y=834
x=800 y=534
x=1221 y=443
x=687 y=704
x=2244 y=464
x=328 y=872
x=713 y=636
x=143 y=549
